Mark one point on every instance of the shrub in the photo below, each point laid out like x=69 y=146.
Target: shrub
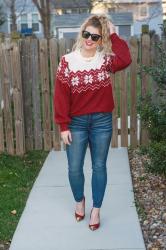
x=154 y=118
x=153 y=114
x=157 y=154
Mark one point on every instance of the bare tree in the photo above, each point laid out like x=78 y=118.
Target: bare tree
x=43 y=7
x=11 y=5
x=2 y=16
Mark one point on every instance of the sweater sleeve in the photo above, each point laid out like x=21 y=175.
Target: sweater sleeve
x=121 y=57
x=62 y=96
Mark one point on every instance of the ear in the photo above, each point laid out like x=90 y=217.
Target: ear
x=100 y=42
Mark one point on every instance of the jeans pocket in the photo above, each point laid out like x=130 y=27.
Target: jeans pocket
x=77 y=121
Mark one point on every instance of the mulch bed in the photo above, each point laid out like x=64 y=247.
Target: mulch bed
x=150 y=199
x=4 y=245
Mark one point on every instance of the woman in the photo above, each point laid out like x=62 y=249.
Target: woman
x=83 y=105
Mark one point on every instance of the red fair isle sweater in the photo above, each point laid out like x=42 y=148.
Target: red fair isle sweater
x=84 y=87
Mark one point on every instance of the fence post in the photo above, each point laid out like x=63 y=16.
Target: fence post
x=154 y=61
x=36 y=100
x=44 y=71
x=2 y=148
x=27 y=91
x=54 y=66
x=6 y=93
x=114 y=141
x=123 y=108
x=145 y=60
x=133 y=93
x=17 y=99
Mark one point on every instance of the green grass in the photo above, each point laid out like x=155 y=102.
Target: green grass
x=17 y=175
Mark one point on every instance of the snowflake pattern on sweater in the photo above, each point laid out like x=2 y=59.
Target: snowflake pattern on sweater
x=82 y=80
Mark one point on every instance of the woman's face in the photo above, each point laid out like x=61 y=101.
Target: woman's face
x=88 y=43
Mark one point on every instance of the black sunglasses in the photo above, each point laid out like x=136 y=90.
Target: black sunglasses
x=87 y=34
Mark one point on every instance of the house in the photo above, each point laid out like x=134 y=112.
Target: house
x=123 y=23
x=27 y=15
x=131 y=13
x=144 y=12
x=149 y=12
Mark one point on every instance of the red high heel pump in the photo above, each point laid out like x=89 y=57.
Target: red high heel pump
x=94 y=226
x=78 y=216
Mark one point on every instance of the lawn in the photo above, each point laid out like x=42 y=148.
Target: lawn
x=17 y=175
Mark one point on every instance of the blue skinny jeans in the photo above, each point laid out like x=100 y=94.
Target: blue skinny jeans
x=95 y=129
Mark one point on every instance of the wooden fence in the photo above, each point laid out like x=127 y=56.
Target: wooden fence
x=27 y=73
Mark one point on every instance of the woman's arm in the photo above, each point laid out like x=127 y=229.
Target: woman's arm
x=62 y=97
x=121 y=58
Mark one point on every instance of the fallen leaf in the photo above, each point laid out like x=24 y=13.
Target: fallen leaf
x=13 y=212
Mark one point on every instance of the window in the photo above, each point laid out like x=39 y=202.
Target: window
x=70 y=35
x=75 y=10
x=35 y=22
x=84 y=10
x=143 y=11
x=125 y=30
x=24 y=18
x=24 y=21
x=24 y=26
x=67 y=11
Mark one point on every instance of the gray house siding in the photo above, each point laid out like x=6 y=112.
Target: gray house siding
x=154 y=15
x=154 y=20
x=4 y=27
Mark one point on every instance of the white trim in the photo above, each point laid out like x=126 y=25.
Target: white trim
x=61 y=31
x=117 y=29
x=132 y=30
x=8 y=24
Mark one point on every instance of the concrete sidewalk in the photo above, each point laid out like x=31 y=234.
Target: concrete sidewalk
x=48 y=222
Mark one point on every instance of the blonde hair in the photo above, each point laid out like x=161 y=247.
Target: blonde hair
x=102 y=23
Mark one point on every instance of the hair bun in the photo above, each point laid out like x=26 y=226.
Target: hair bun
x=105 y=24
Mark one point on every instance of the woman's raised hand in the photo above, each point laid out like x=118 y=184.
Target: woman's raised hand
x=66 y=137
x=112 y=28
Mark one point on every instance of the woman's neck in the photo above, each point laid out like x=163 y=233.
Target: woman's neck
x=88 y=53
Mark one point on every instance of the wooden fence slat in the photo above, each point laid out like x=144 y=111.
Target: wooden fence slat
x=62 y=47
x=18 y=100
x=36 y=95
x=123 y=108
x=27 y=92
x=114 y=142
x=154 y=61
x=145 y=41
x=54 y=66
x=7 y=100
x=2 y=147
x=133 y=93
x=45 y=94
